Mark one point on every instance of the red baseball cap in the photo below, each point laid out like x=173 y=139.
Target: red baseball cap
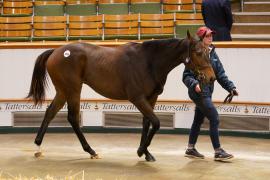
x=204 y=31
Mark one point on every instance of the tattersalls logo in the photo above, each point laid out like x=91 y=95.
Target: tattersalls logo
x=21 y=107
x=118 y=107
x=174 y=108
x=158 y=107
x=83 y=106
x=32 y=107
x=228 y=108
x=263 y=110
x=246 y=110
x=260 y=110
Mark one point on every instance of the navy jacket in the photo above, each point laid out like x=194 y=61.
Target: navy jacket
x=217 y=16
x=191 y=81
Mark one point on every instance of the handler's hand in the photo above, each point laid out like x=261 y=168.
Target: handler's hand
x=234 y=92
x=197 y=88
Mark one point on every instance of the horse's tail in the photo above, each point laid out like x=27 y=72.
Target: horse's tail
x=39 y=80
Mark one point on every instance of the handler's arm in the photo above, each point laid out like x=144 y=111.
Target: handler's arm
x=189 y=79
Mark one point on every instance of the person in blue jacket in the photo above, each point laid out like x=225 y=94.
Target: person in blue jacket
x=202 y=97
x=217 y=15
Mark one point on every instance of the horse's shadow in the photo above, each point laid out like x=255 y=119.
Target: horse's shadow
x=145 y=166
x=108 y=163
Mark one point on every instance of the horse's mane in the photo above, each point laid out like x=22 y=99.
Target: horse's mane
x=156 y=45
x=158 y=53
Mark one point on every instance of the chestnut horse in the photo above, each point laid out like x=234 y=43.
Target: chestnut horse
x=135 y=71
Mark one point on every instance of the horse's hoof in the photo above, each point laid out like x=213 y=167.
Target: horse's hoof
x=38 y=154
x=149 y=157
x=95 y=156
x=140 y=152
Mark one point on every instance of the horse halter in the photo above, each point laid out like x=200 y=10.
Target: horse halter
x=188 y=59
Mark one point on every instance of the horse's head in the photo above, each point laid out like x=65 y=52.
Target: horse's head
x=198 y=60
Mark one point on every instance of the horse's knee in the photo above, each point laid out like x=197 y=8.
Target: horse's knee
x=71 y=117
x=146 y=123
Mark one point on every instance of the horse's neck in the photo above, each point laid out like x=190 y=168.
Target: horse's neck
x=166 y=57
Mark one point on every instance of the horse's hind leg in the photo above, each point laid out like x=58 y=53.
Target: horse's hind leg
x=73 y=118
x=145 y=130
x=57 y=103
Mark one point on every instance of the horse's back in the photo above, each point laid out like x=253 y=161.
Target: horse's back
x=110 y=71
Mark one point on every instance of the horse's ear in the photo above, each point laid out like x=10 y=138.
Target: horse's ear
x=188 y=35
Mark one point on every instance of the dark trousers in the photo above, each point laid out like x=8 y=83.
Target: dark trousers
x=205 y=108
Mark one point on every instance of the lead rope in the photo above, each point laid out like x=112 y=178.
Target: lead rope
x=229 y=98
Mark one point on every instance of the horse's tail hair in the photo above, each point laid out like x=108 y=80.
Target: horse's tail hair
x=39 y=79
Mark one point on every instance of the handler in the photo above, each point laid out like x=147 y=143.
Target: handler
x=202 y=97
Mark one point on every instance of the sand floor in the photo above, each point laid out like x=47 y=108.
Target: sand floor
x=64 y=158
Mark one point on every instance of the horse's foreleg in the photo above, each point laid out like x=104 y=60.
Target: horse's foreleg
x=73 y=118
x=145 y=130
x=57 y=103
x=146 y=109
x=146 y=125
x=142 y=150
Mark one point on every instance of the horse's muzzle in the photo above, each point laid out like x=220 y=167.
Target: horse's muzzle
x=202 y=77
